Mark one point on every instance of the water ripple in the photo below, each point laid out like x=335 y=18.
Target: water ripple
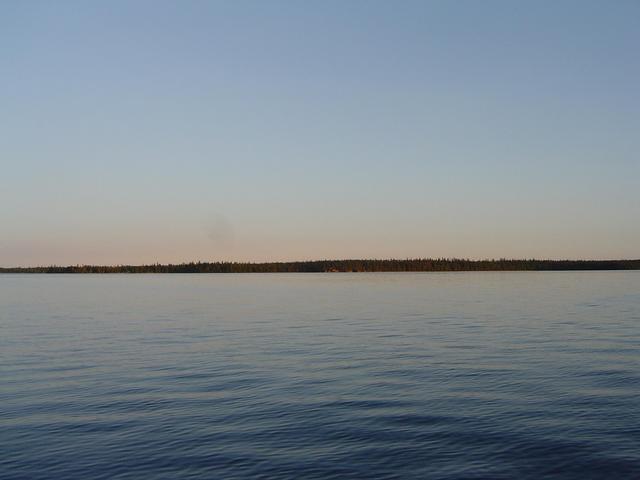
x=478 y=376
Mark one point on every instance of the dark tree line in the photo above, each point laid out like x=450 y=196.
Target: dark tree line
x=409 y=265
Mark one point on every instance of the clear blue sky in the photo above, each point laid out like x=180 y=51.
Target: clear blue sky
x=143 y=131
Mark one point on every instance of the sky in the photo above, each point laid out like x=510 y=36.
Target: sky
x=165 y=131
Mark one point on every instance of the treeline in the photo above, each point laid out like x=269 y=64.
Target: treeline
x=410 y=265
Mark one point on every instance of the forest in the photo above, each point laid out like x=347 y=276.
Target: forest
x=374 y=265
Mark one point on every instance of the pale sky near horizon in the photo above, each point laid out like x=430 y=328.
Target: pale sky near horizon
x=166 y=131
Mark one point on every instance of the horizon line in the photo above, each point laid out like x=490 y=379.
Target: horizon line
x=406 y=261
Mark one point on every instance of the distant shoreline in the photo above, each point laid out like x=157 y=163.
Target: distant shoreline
x=318 y=266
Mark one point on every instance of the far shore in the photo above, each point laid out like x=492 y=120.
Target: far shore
x=337 y=266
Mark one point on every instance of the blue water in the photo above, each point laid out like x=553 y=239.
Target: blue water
x=318 y=376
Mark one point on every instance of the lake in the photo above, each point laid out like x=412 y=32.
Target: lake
x=485 y=375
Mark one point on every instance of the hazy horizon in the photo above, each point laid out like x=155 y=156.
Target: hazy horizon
x=345 y=263
x=144 y=132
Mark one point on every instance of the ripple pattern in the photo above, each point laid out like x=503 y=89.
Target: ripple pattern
x=321 y=376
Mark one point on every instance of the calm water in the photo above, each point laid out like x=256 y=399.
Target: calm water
x=318 y=376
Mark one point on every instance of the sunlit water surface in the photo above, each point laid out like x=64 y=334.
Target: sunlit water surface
x=320 y=376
